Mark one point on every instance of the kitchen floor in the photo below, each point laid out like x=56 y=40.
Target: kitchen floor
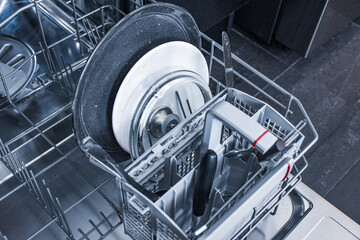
x=328 y=85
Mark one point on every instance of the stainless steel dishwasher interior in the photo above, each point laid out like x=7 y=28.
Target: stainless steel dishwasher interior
x=48 y=188
x=44 y=174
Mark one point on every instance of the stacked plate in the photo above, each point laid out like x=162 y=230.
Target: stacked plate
x=144 y=77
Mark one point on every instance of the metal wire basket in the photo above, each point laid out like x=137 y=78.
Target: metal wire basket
x=169 y=165
x=142 y=217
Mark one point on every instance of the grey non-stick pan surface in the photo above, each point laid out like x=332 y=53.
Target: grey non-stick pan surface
x=132 y=37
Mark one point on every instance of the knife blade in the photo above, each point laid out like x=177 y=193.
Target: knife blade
x=229 y=75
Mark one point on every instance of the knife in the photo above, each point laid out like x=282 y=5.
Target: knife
x=229 y=75
x=203 y=185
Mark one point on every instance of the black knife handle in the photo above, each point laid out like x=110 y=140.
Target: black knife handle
x=203 y=182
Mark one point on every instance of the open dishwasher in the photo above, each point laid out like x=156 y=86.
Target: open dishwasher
x=50 y=189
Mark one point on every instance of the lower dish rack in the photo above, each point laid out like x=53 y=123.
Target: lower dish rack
x=43 y=159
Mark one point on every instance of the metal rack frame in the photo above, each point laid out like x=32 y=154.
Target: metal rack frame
x=62 y=74
x=88 y=34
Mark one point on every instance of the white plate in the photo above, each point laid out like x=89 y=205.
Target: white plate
x=155 y=64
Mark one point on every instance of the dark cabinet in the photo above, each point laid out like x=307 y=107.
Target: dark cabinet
x=208 y=13
x=259 y=17
x=301 y=25
x=307 y=24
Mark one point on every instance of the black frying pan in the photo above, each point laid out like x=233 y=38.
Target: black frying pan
x=135 y=35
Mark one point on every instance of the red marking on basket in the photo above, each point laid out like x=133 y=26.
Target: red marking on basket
x=287 y=171
x=260 y=137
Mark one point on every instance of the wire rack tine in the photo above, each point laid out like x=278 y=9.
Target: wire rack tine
x=58 y=69
x=52 y=204
x=41 y=25
x=77 y=26
x=23 y=167
x=10 y=160
x=2 y=149
x=87 y=32
x=37 y=188
x=97 y=33
x=3 y=237
x=4 y=154
x=12 y=167
x=106 y=219
x=46 y=61
x=18 y=167
x=95 y=227
x=50 y=208
x=83 y=234
x=91 y=30
x=31 y=183
x=72 y=75
x=102 y=21
x=69 y=82
x=58 y=214
x=54 y=72
x=63 y=217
